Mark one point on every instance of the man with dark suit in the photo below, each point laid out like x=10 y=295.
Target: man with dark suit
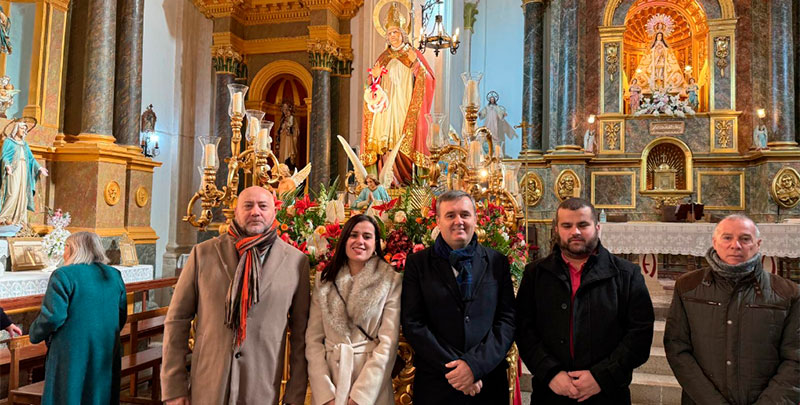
x=458 y=312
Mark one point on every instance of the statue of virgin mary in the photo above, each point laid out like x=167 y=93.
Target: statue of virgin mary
x=398 y=94
x=659 y=70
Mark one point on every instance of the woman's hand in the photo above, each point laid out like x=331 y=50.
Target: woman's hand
x=14 y=330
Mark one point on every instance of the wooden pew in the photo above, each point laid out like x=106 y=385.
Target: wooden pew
x=30 y=393
x=147 y=359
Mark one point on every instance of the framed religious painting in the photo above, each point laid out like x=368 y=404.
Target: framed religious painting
x=127 y=252
x=27 y=254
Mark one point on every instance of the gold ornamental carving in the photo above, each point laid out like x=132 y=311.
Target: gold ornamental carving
x=724 y=130
x=142 y=196
x=567 y=185
x=322 y=54
x=721 y=45
x=402 y=383
x=667 y=200
x=531 y=189
x=112 y=193
x=612 y=130
x=785 y=190
x=612 y=60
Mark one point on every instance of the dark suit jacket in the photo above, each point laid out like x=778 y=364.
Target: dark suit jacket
x=441 y=327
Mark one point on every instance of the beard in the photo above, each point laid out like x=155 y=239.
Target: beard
x=586 y=249
x=252 y=228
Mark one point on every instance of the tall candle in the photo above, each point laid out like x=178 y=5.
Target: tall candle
x=255 y=126
x=472 y=92
x=210 y=155
x=263 y=140
x=238 y=106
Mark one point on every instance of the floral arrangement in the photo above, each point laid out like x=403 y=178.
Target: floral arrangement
x=55 y=240
x=408 y=225
x=664 y=104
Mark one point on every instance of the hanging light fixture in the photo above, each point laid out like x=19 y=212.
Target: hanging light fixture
x=438 y=39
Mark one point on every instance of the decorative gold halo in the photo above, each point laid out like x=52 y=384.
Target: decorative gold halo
x=112 y=193
x=31 y=121
x=376 y=16
x=142 y=196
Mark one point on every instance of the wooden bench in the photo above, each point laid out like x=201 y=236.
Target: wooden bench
x=149 y=358
x=31 y=393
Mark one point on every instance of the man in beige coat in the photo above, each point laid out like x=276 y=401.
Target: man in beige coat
x=240 y=316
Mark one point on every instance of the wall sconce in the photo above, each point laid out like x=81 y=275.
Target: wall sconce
x=148 y=140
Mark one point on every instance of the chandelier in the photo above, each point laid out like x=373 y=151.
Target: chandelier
x=437 y=39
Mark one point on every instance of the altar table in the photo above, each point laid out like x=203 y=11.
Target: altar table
x=34 y=282
x=691 y=239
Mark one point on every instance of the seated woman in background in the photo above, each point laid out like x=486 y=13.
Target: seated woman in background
x=82 y=313
x=354 y=321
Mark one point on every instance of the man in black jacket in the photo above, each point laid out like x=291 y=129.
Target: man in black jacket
x=458 y=312
x=584 y=316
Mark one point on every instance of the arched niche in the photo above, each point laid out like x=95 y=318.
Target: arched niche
x=662 y=156
x=269 y=72
x=616 y=10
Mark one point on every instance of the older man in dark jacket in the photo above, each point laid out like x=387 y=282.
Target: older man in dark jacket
x=584 y=316
x=458 y=312
x=733 y=330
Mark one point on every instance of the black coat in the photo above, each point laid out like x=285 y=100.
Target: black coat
x=612 y=329
x=441 y=327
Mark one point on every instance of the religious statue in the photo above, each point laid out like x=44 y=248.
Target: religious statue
x=5 y=28
x=588 y=141
x=659 y=69
x=148 y=123
x=635 y=95
x=20 y=172
x=691 y=91
x=287 y=134
x=288 y=181
x=760 y=137
x=7 y=94
x=373 y=193
x=402 y=73
x=494 y=117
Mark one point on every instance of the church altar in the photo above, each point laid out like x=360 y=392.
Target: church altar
x=691 y=239
x=25 y=283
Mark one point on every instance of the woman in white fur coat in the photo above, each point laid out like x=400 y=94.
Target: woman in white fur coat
x=354 y=322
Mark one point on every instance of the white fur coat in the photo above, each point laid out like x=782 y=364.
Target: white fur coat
x=373 y=302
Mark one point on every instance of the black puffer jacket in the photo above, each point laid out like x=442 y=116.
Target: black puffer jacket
x=613 y=326
x=735 y=344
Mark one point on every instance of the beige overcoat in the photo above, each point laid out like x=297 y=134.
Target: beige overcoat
x=250 y=374
x=342 y=362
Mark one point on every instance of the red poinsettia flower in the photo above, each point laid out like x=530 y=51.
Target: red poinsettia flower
x=385 y=207
x=302 y=247
x=285 y=237
x=278 y=202
x=432 y=209
x=417 y=248
x=333 y=230
x=304 y=204
x=399 y=260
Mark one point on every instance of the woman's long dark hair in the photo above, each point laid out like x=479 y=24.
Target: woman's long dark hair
x=330 y=271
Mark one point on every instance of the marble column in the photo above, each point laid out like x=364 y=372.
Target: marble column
x=567 y=87
x=128 y=79
x=322 y=56
x=782 y=102
x=320 y=142
x=222 y=129
x=532 y=84
x=796 y=25
x=97 y=116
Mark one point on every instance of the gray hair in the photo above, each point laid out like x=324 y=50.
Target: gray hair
x=86 y=248
x=738 y=217
x=454 y=195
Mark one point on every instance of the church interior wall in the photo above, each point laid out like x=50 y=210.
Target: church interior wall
x=17 y=66
x=176 y=35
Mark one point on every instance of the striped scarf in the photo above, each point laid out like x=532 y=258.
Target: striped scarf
x=243 y=291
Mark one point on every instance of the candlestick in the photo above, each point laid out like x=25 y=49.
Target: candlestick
x=472 y=92
x=263 y=140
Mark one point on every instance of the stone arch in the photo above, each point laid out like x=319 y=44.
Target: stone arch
x=616 y=10
x=274 y=69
